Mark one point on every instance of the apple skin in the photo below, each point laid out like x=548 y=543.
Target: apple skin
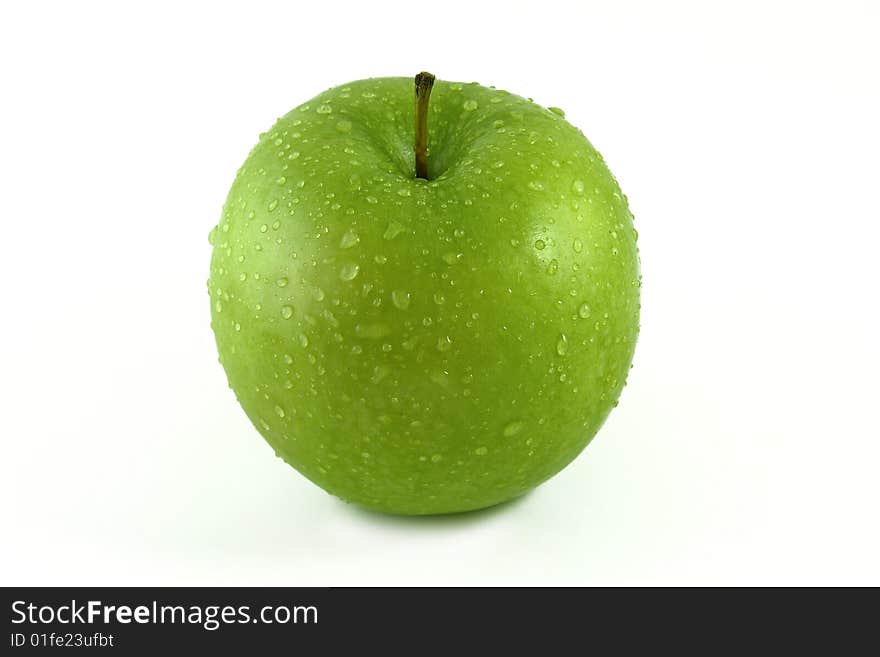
x=425 y=346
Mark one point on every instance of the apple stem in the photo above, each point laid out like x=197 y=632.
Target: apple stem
x=424 y=83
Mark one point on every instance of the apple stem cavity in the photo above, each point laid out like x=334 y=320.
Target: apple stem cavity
x=424 y=84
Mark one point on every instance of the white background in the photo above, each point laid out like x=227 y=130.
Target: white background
x=746 y=446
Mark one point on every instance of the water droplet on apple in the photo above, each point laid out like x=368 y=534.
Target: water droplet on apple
x=394 y=229
x=372 y=331
x=577 y=245
x=584 y=311
x=557 y=111
x=400 y=299
x=536 y=185
x=282 y=282
x=303 y=340
x=436 y=458
x=444 y=343
x=440 y=377
x=279 y=411
x=318 y=293
x=452 y=258
x=287 y=312
x=439 y=298
x=272 y=205
x=349 y=271
x=372 y=200
x=470 y=105
x=553 y=267
x=349 y=239
x=512 y=428
x=577 y=187
x=562 y=344
x=264 y=228
x=539 y=244
x=379 y=373
x=324 y=109
x=218 y=306
x=481 y=451
x=344 y=126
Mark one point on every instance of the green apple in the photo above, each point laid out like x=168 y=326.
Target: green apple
x=432 y=344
